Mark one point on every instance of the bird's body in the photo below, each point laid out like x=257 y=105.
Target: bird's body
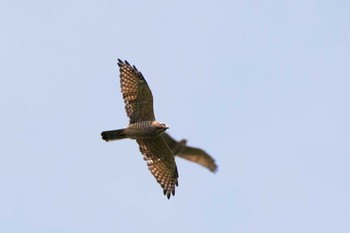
x=137 y=130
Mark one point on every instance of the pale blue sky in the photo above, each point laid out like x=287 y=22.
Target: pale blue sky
x=263 y=86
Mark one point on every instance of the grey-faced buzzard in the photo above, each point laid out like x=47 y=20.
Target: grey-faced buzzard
x=144 y=128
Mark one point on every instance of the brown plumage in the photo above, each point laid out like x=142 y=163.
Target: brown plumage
x=179 y=148
x=144 y=128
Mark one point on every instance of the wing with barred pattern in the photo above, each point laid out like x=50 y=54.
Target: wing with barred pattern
x=136 y=93
x=161 y=163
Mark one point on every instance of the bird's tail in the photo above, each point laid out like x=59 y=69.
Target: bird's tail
x=113 y=135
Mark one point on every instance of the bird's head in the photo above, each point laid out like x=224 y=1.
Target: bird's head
x=161 y=127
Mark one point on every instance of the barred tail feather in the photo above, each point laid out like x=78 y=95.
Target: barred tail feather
x=113 y=135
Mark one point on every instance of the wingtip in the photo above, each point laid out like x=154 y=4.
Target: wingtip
x=121 y=62
x=215 y=168
x=168 y=193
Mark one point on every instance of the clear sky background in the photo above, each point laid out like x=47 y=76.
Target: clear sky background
x=263 y=86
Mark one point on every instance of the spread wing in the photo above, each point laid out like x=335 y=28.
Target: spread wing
x=199 y=156
x=190 y=153
x=161 y=163
x=137 y=96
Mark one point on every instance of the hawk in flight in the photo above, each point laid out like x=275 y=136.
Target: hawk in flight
x=192 y=154
x=144 y=128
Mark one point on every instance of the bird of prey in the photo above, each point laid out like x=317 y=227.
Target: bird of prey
x=193 y=154
x=144 y=128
